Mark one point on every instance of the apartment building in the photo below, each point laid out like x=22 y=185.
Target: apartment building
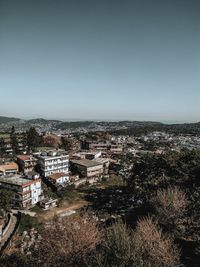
x=87 y=168
x=52 y=161
x=8 y=168
x=28 y=192
x=26 y=163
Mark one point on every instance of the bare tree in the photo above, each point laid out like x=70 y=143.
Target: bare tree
x=170 y=206
x=152 y=248
x=67 y=242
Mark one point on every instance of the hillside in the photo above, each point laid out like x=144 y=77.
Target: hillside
x=4 y=119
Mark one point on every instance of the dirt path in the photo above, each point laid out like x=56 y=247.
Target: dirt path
x=66 y=207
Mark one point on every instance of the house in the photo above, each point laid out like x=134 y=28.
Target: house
x=28 y=192
x=26 y=163
x=8 y=168
x=48 y=203
x=52 y=161
x=59 y=179
x=87 y=168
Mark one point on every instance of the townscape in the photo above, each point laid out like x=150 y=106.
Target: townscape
x=99 y=133
x=49 y=173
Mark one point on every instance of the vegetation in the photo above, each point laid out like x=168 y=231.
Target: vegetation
x=6 y=199
x=27 y=222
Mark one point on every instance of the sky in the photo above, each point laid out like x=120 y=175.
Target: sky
x=100 y=59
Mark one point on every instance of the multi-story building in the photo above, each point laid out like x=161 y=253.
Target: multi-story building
x=28 y=192
x=52 y=161
x=87 y=168
x=26 y=163
x=8 y=168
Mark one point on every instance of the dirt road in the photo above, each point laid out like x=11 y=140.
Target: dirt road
x=66 y=207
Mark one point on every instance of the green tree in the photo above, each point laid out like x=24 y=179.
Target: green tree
x=14 y=141
x=33 y=139
x=6 y=199
x=2 y=147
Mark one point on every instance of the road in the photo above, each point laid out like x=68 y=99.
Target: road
x=9 y=231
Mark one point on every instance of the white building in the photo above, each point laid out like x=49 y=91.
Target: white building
x=59 y=179
x=52 y=161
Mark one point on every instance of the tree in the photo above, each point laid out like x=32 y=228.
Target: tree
x=2 y=147
x=170 y=206
x=6 y=199
x=152 y=248
x=33 y=139
x=51 y=140
x=14 y=141
x=116 y=249
x=67 y=242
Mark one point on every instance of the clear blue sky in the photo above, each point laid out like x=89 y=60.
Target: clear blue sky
x=105 y=59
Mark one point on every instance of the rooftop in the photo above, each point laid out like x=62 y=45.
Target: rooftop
x=8 y=166
x=86 y=162
x=57 y=175
x=15 y=180
x=26 y=157
x=51 y=153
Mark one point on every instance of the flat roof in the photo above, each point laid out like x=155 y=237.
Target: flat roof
x=26 y=157
x=15 y=180
x=86 y=162
x=58 y=175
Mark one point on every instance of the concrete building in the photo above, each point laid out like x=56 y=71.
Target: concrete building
x=28 y=192
x=87 y=155
x=26 y=163
x=9 y=168
x=47 y=204
x=52 y=161
x=87 y=168
x=59 y=179
x=106 y=164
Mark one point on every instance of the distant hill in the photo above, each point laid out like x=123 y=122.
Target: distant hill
x=8 y=119
x=119 y=127
x=42 y=121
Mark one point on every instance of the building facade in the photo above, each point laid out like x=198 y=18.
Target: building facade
x=87 y=168
x=27 y=192
x=52 y=161
x=26 y=163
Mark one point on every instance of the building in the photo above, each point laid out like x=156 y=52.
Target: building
x=87 y=155
x=26 y=163
x=106 y=164
x=28 y=192
x=52 y=161
x=87 y=168
x=47 y=204
x=59 y=179
x=95 y=145
x=9 y=168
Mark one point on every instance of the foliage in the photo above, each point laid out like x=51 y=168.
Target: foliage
x=67 y=242
x=28 y=222
x=33 y=139
x=170 y=205
x=6 y=199
x=14 y=141
x=152 y=248
x=51 y=140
